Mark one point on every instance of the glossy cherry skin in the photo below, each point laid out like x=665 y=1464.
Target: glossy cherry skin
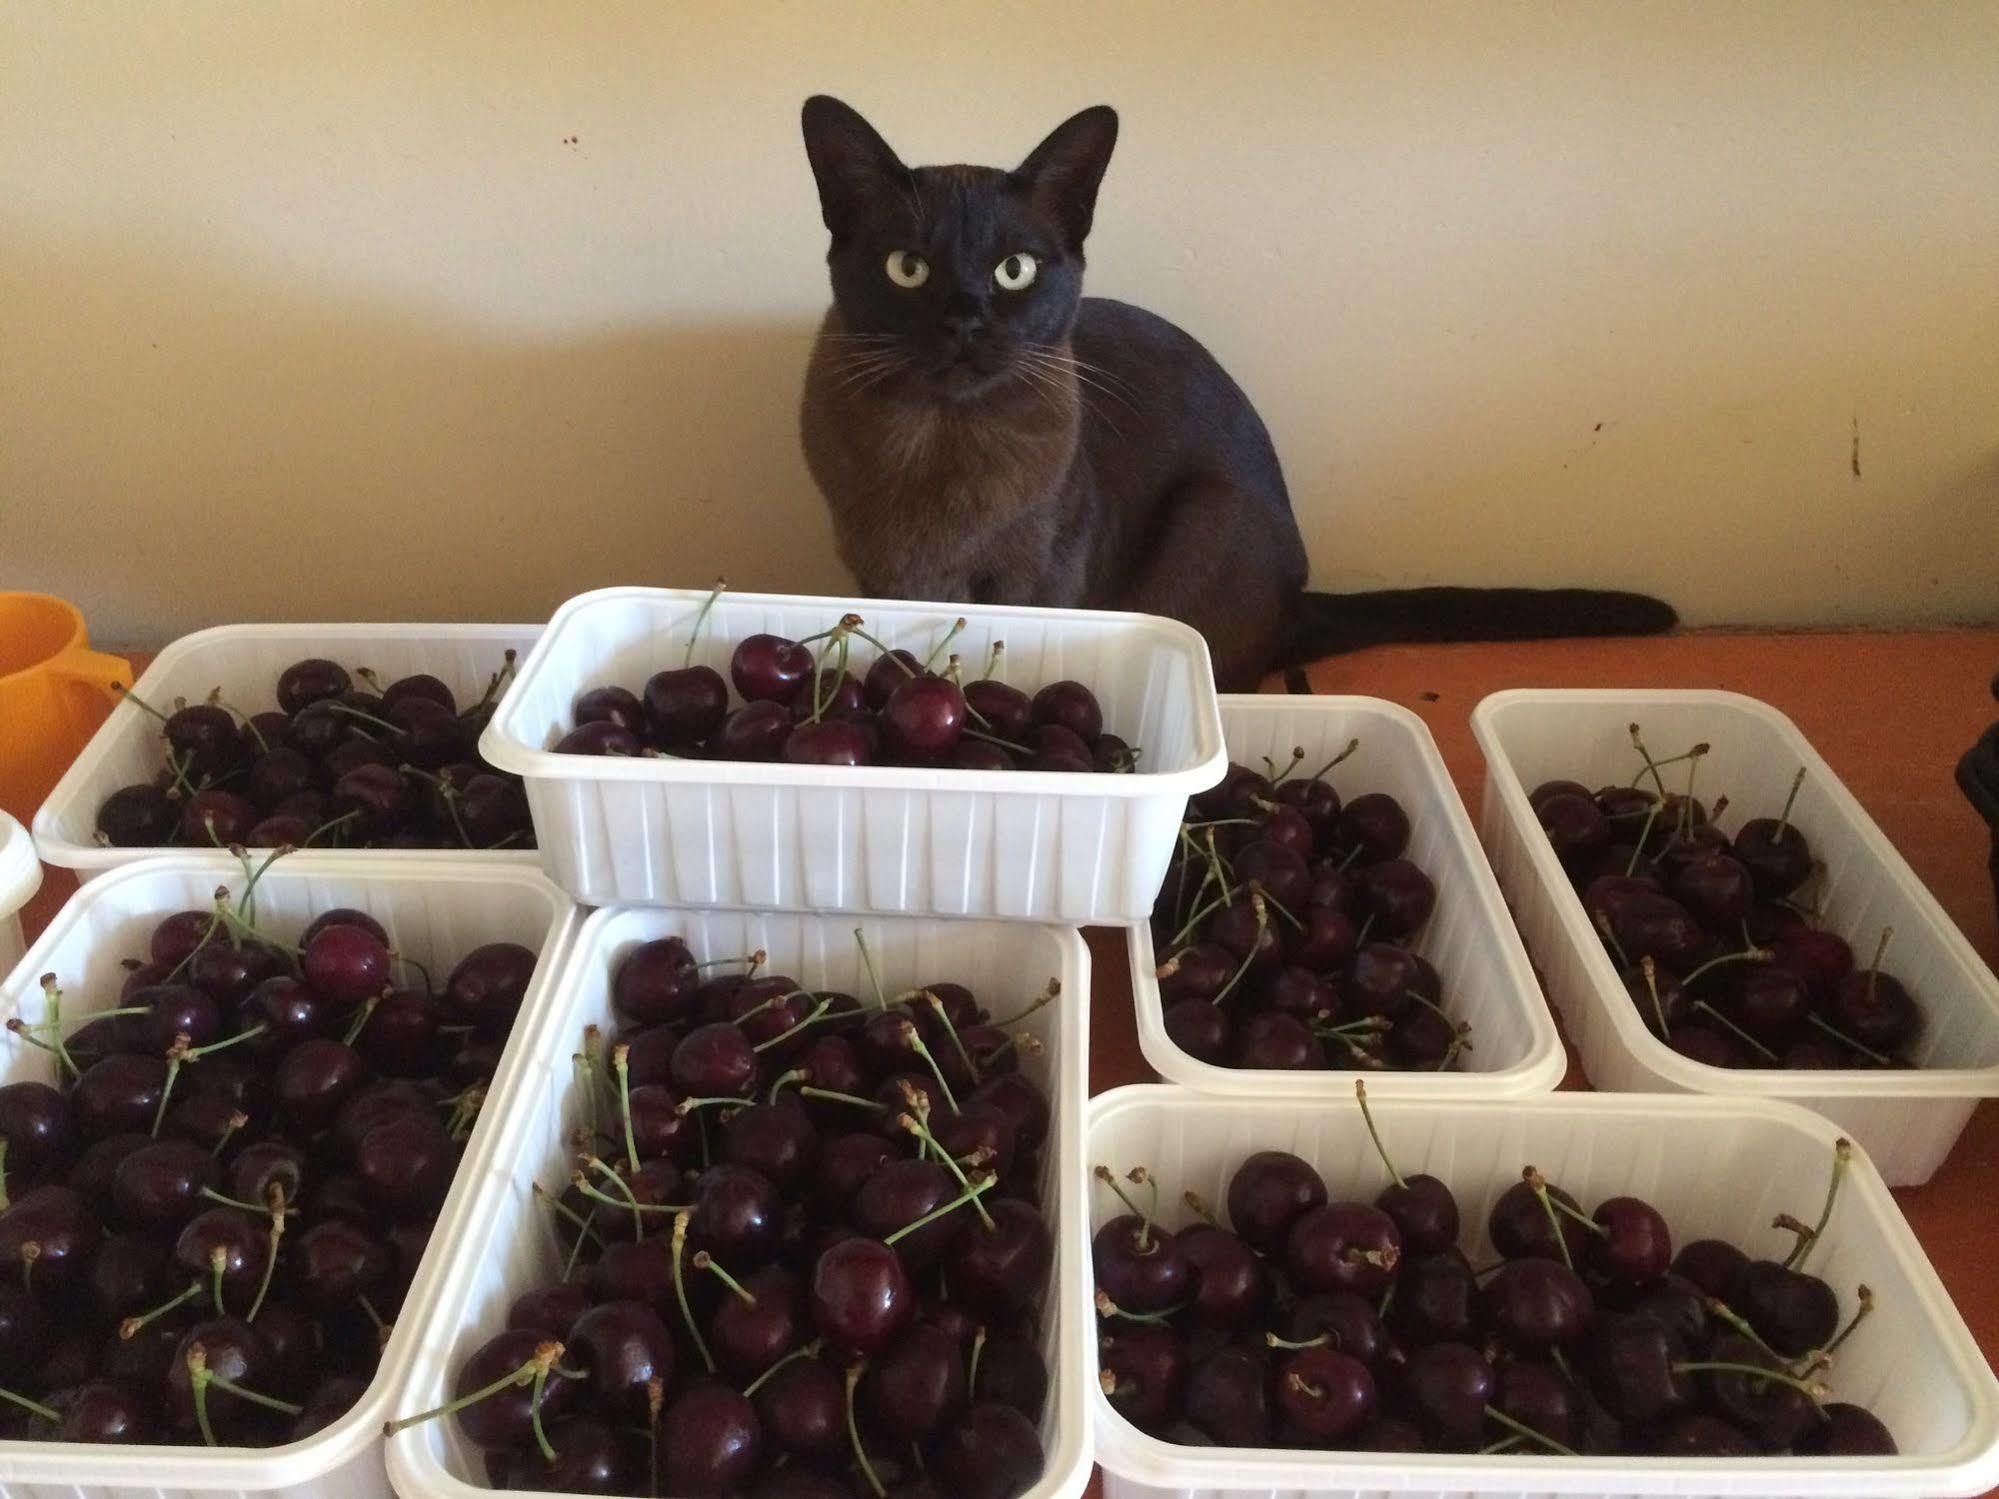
x=770 y=668
x=747 y=1337
x=1535 y=1303
x=505 y=1419
x=622 y=1345
x=309 y=681
x=1008 y=710
x=1141 y=1268
x=314 y=1079
x=1636 y=1246
x=1449 y=1386
x=1715 y=888
x=158 y=1186
x=140 y=816
x=685 y=705
x=923 y=718
x=655 y=982
x=234 y=1350
x=757 y=731
x=348 y=964
x=829 y=741
x=1791 y=1311
x=861 y=1298
x=1231 y=1285
x=1271 y=1040
x=917 y=1386
x=1520 y=1226
x=1875 y=1010
x=991 y=1452
x=714 y=1061
x=35 y=1123
x=1424 y=1211
x=738 y=1215
x=1344 y=1246
x=1537 y=1395
x=334 y=1262
x=1437 y=1300
x=1200 y=1028
x=1269 y=1191
x=1847 y=1431
x=710 y=1440
x=1630 y=1360
x=1000 y=1270
x=486 y=986
x=1324 y=1395
x=1146 y=1365
x=106 y=1412
x=1777 y=856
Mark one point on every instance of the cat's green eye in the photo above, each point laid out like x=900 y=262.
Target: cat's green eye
x=907 y=269
x=1016 y=272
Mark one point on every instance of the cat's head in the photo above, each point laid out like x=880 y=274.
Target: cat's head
x=951 y=281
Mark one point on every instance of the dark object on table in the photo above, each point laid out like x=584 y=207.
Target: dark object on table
x=1978 y=774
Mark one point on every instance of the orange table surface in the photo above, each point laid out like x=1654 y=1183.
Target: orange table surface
x=1890 y=712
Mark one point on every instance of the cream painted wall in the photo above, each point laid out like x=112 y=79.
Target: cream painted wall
x=429 y=309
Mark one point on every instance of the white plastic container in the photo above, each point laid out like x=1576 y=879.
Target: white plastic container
x=515 y=1249
x=20 y=878
x=1487 y=979
x=1040 y=847
x=435 y=913
x=245 y=661
x=1712 y=1166
x=1907 y=1118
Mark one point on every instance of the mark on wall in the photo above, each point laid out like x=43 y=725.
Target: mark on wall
x=1856 y=445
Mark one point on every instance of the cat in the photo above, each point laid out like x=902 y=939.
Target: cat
x=984 y=433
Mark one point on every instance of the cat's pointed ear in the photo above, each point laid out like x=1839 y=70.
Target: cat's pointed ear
x=1061 y=174
x=854 y=166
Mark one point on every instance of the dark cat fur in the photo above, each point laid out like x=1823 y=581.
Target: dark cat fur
x=1041 y=447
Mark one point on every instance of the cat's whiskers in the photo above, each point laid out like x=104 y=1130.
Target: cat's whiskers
x=1085 y=373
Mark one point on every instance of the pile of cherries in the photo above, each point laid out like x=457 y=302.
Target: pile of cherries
x=334 y=765
x=804 y=1252
x=211 y=1221
x=812 y=710
x=1722 y=962
x=1286 y=923
x=1363 y=1326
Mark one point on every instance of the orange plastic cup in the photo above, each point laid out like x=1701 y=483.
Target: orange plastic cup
x=54 y=692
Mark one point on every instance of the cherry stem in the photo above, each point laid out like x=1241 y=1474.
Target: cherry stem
x=971 y=1194
x=544 y=1358
x=993 y=659
x=916 y=1044
x=1644 y=754
x=34 y=1408
x=680 y=1290
x=1845 y=1040
x=1504 y=1444
x=949 y=636
x=1720 y=1309
x=854 y=1433
x=1842 y=1157
x=361 y=1018
x=868 y=962
x=1273 y=1341
x=784 y=1080
x=1651 y=972
x=1880 y=952
x=1694 y=757
x=1784 y=818
x=1104 y=1175
x=700 y=618
x=1367 y=1117
x=1539 y=1186
x=705 y=1261
x=957 y=1042
x=620 y=1065
x=564 y=1210
x=1198 y=1206
x=1579 y=1216
x=1812 y=1392
x=810 y=1350
x=1747 y=955
x=1050 y=991
x=918 y=1128
x=1262 y=925
x=131 y=1327
x=1735 y=1030
x=1861 y=1314
x=1109 y=1309
x=1644 y=836
x=1201 y=914
x=1523 y=1430
x=856 y=1101
x=278 y=1211
x=1276 y=776
x=818 y=1013
x=1320 y=773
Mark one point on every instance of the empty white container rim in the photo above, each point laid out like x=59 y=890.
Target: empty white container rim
x=68 y=815
x=413 y=1458
x=1740 y=1082
x=79 y=1467
x=1539 y=1071
x=1968 y=1467
x=20 y=870
x=507 y=745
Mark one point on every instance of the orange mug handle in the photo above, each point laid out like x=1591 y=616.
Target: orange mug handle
x=94 y=669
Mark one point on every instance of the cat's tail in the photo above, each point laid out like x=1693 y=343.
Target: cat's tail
x=1327 y=624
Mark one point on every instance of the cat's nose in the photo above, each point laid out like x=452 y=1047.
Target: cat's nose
x=966 y=322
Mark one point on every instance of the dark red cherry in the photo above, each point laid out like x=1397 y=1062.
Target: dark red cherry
x=923 y=718
x=803 y=1410
x=1350 y=1322
x=756 y=731
x=861 y=1297
x=991 y=1452
x=1269 y=1191
x=714 y=1061
x=314 y=1079
x=611 y=705
x=158 y=1186
x=1448 y=1386
x=1791 y=1311
x=601 y=737
x=1715 y=888
x=1140 y=1266
x=1007 y=712
x=551 y=1309
x=216 y=819
x=310 y=681
x=1536 y=1303
x=505 y=1419
x=1847 y=1431
x=1874 y=1009
x=1631 y=1362
x=1324 y=1395
x=1377 y=825
x=685 y=705
x=1146 y=1367
x=1777 y=856
x=738 y=1215
x=1635 y=1247
x=622 y=1345
x=1547 y=789
x=238 y=1241
x=1398 y=896
x=141 y=816
x=1437 y=1299
x=917 y=1386
x=104 y=1411
x=1521 y=1227
x=1228 y=1397
x=655 y=982
x=1000 y=1269
x=35 y=1124
x=1200 y=1028
x=887 y=673
x=334 y=1262
x=235 y=1351
x=830 y=741
x=770 y=668
x=1344 y=1246
x=832 y=694
x=347 y=964
x=1073 y=706
x=487 y=986
x=1198 y=972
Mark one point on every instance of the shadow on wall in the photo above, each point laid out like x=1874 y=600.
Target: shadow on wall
x=259 y=445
